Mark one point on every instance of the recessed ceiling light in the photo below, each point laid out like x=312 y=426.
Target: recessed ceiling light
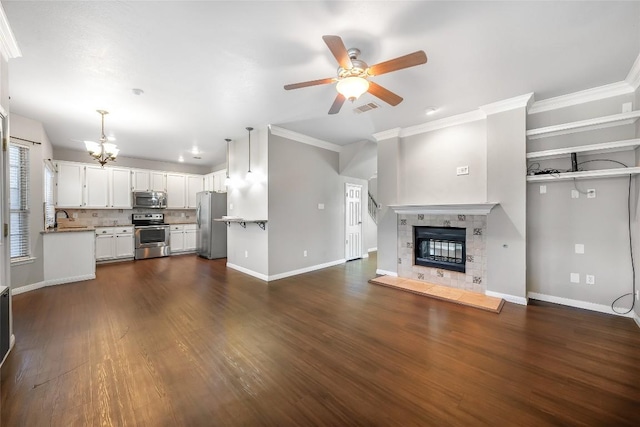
x=195 y=151
x=137 y=91
x=430 y=111
x=181 y=159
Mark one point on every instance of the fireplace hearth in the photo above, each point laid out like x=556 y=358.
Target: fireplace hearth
x=440 y=247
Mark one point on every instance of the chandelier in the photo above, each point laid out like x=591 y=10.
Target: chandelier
x=103 y=151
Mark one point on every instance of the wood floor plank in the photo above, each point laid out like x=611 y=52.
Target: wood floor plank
x=184 y=341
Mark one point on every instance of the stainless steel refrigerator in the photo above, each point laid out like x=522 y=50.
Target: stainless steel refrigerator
x=212 y=235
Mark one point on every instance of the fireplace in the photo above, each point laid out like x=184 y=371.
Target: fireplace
x=440 y=247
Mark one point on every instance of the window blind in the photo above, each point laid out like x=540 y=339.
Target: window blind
x=49 y=207
x=19 y=201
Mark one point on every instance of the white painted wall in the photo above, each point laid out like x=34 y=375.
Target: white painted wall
x=388 y=170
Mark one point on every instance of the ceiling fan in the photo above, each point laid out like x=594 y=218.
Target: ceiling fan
x=353 y=74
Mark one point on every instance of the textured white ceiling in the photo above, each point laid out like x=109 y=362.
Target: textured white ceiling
x=211 y=68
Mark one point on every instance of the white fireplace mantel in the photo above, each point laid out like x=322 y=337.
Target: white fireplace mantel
x=455 y=209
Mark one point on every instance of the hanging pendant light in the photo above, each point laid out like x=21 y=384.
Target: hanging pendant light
x=227 y=180
x=104 y=151
x=249 y=173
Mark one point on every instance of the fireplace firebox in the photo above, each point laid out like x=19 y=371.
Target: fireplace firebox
x=440 y=247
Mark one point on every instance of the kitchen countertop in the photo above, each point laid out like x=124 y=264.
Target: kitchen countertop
x=68 y=230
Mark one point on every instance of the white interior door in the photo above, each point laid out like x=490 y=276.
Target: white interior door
x=353 y=229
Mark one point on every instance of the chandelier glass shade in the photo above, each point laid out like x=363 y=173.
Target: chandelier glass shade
x=102 y=151
x=352 y=87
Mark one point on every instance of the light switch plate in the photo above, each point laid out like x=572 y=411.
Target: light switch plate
x=543 y=189
x=321 y=206
x=627 y=107
x=579 y=248
x=590 y=279
x=575 y=194
x=575 y=277
x=462 y=170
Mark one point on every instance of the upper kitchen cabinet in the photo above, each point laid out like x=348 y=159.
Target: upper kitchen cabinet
x=195 y=184
x=219 y=181
x=96 y=187
x=120 y=194
x=69 y=185
x=176 y=191
x=147 y=180
x=208 y=182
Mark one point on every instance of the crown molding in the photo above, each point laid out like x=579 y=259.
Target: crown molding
x=522 y=101
x=446 y=122
x=387 y=134
x=299 y=137
x=583 y=96
x=633 y=78
x=8 y=45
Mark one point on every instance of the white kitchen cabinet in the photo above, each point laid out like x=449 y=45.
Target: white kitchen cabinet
x=208 y=182
x=158 y=181
x=190 y=237
x=120 y=194
x=176 y=236
x=195 y=184
x=114 y=243
x=176 y=191
x=219 y=181
x=141 y=180
x=96 y=186
x=69 y=184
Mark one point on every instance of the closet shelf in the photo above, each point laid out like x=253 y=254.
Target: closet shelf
x=602 y=173
x=605 y=147
x=584 y=125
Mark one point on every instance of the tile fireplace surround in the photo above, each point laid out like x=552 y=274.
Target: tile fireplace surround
x=476 y=264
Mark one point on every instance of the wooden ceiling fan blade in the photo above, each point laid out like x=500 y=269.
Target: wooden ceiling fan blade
x=309 y=83
x=410 y=60
x=385 y=94
x=337 y=104
x=336 y=46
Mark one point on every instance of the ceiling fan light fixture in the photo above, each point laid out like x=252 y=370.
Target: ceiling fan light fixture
x=352 y=87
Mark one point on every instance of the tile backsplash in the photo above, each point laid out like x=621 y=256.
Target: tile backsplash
x=476 y=263
x=111 y=217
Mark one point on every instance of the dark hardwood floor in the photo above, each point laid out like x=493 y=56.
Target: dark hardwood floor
x=185 y=341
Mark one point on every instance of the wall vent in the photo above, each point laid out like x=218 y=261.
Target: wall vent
x=366 y=107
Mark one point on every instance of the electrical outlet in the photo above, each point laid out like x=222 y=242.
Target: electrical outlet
x=575 y=278
x=638 y=295
x=321 y=206
x=305 y=253
x=590 y=279
x=591 y=193
x=462 y=170
x=579 y=248
x=230 y=206
x=627 y=107
x=75 y=215
x=246 y=254
x=575 y=194
x=543 y=189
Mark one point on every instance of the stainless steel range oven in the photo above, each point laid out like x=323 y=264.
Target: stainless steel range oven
x=151 y=236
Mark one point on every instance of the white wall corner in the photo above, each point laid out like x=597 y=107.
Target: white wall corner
x=387 y=134
x=582 y=97
x=249 y=272
x=446 y=122
x=386 y=273
x=522 y=101
x=601 y=308
x=372 y=249
x=305 y=139
x=306 y=270
x=8 y=45
x=510 y=298
x=633 y=78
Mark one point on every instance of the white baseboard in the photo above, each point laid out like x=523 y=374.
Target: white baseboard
x=307 y=269
x=387 y=273
x=637 y=319
x=510 y=298
x=602 y=308
x=249 y=272
x=365 y=255
x=372 y=249
x=38 y=285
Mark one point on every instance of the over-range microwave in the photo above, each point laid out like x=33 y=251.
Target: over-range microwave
x=150 y=199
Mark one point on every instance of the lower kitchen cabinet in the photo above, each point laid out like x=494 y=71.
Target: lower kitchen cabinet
x=183 y=238
x=114 y=243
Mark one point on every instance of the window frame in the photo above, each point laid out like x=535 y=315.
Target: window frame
x=24 y=208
